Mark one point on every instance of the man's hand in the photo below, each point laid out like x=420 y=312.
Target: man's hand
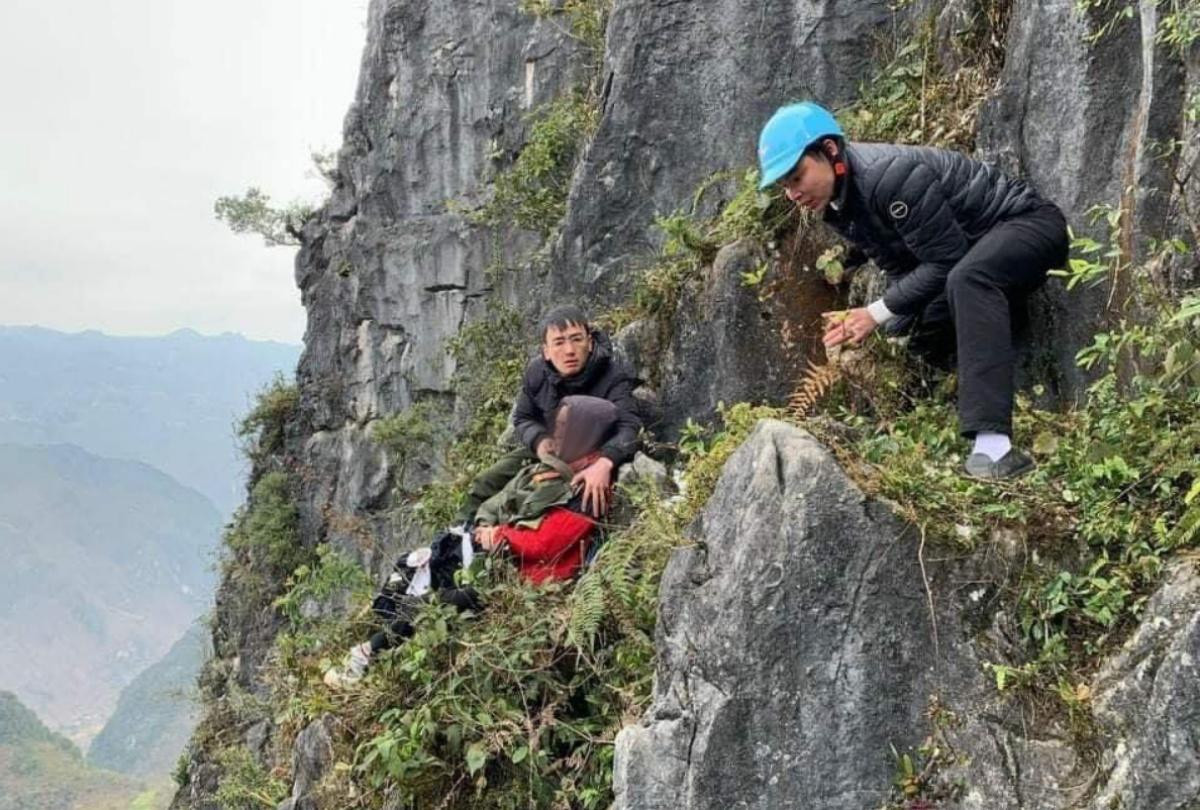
x=486 y=537
x=546 y=447
x=595 y=479
x=855 y=327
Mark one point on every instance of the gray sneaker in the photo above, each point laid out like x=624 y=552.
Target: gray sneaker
x=1012 y=465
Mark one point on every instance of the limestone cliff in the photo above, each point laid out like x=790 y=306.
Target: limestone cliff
x=750 y=710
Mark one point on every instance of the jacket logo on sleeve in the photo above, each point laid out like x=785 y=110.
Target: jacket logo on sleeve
x=898 y=209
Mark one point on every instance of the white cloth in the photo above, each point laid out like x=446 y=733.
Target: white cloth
x=468 y=548
x=879 y=312
x=422 y=577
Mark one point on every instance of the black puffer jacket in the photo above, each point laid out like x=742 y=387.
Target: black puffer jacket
x=916 y=210
x=605 y=375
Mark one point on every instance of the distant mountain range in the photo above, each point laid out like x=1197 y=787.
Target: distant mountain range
x=155 y=714
x=169 y=401
x=106 y=563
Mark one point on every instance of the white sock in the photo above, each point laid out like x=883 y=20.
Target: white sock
x=993 y=445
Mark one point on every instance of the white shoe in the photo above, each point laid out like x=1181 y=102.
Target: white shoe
x=352 y=668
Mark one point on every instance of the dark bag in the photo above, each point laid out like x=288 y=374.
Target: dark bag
x=393 y=603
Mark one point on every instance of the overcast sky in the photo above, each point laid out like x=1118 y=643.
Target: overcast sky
x=120 y=124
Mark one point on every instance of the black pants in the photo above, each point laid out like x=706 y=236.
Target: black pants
x=398 y=612
x=974 y=317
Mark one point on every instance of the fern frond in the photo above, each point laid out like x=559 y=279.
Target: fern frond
x=813 y=386
x=1187 y=530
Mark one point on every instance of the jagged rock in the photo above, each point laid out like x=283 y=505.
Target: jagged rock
x=310 y=760
x=256 y=738
x=392 y=267
x=1147 y=698
x=771 y=694
x=796 y=648
x=644 y=468
x=638 y=343
x=795 y=644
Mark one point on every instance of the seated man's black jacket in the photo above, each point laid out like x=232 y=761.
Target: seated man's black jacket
x=605 y=375
x=916 y=211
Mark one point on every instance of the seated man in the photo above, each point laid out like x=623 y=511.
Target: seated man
x=574 y=360
x=537 y=518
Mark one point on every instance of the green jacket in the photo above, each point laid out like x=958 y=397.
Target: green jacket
x=524 y=501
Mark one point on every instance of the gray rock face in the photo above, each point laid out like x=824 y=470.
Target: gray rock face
x=391 y=268
x=796 y=649
x=794 y=643
x=1148 y=700
x=1085 y=123
x=310 y=759
x=687 y=87
x=734 y=342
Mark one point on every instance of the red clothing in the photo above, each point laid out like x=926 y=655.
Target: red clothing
x=554 y=550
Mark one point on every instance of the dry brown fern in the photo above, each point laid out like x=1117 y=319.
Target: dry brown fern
x=813 y=386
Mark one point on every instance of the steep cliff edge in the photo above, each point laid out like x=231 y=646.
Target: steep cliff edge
x=502 y=156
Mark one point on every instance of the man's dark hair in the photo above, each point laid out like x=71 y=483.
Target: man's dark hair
x=561 y=318
x=817 y=148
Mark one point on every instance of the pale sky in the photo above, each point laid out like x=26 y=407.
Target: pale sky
x=121 y=122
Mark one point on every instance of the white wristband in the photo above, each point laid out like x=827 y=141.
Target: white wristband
x=879 y=312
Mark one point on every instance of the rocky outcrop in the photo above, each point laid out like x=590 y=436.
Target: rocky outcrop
x=311 y=757
x=1148 y=705
x=807 y=637
x=393 y=266
x=795 y=644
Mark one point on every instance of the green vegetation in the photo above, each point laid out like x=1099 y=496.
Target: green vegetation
x=515 y=707
x=915 y=99
x=262 y=430
x=406 y=435
x=519 y=706
x=253 y=213
x=245 y=785
x=690 y=242
x=585 y=19
x=1178 y=20
x=331 y=576
x=42 y=769
x=532 y=192
x=1179 y=27
x=265 y=529
x=1114 y=498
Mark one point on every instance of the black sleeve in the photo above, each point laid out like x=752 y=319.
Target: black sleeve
x=624 y=442
x=921 y=214
x=527 y=417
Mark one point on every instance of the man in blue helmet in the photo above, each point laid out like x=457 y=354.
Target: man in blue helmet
x=961 y=244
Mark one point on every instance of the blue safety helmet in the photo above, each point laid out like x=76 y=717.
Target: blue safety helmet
x=791 y=130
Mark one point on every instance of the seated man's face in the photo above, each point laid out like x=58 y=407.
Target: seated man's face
x=567 y=349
